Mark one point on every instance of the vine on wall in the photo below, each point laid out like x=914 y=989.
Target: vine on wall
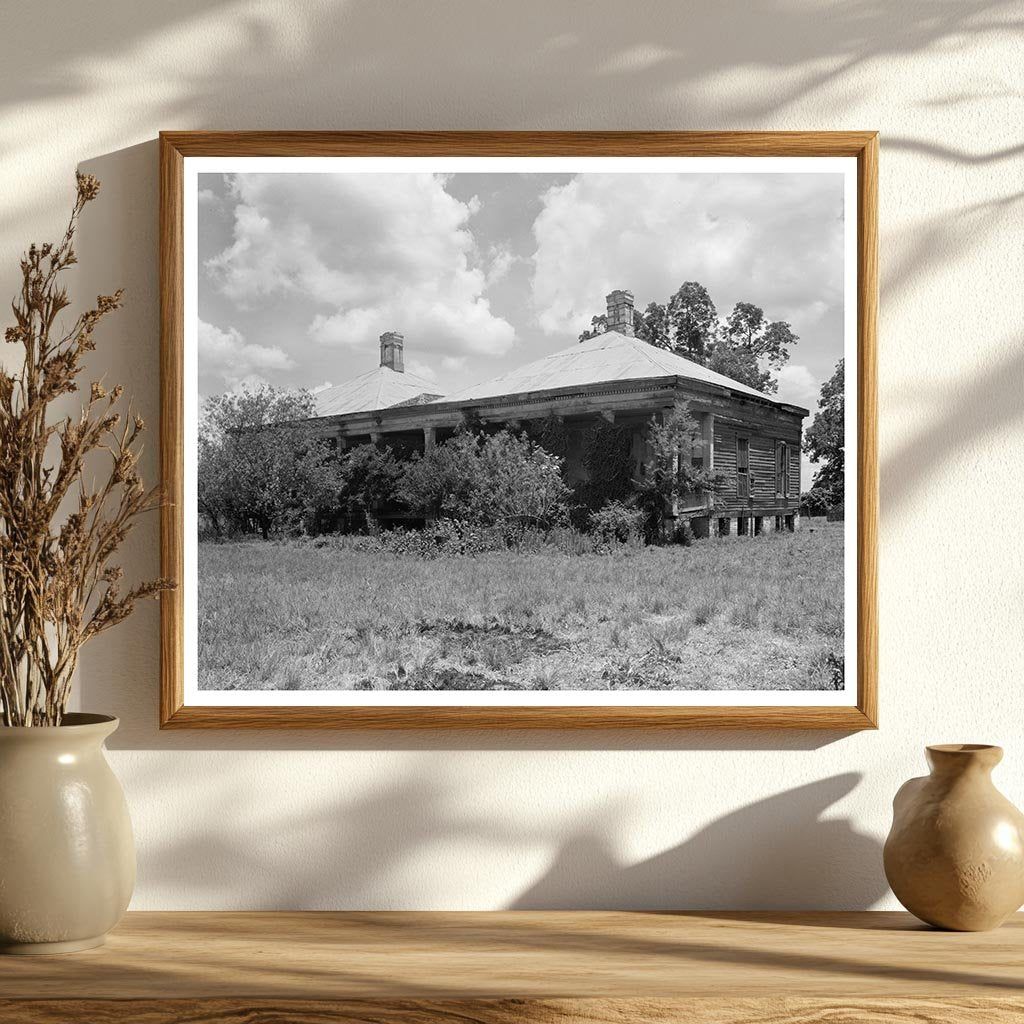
x=608 y=460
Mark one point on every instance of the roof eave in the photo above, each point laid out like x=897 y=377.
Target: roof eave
x=665 y=381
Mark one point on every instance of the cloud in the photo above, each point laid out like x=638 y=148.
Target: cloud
x=798 y=387
x=501 y=259
x=770 y=239
x=364 y=253
x=227 y=360
x=421 y=369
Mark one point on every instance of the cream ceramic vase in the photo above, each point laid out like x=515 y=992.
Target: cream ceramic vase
x=955 y=855
x=67 y=859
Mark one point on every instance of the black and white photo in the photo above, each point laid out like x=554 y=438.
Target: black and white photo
x=520 y=431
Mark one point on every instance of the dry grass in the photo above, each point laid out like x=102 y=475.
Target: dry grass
x=736 y=613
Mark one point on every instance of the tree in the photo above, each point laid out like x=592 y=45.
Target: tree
x=598 y=325
x=745 y=326
x=277 y=477
x=824 y=441
x=694 y=321
x=260 y=464
x=689 y=325
x=253 y=407
x=669 y=472
x=657 y=326
x=213 y=486
x=775 y=342
x=740 y=364
x=748 y=328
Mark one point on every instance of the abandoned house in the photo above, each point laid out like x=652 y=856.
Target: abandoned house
x=748 y=439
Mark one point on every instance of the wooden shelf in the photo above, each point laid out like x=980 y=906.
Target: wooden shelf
x=501 y=968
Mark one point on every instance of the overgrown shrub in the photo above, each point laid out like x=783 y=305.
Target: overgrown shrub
x=442 y=539
x=818 y=500
x=371 y=479
x=617 y=521
x=503 y=479
x=683 y=533
x=447 y=537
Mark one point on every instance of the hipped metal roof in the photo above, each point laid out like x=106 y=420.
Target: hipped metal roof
x=603 y=359
x=379 y=388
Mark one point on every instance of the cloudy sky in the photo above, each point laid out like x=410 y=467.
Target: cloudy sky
x=300 y=273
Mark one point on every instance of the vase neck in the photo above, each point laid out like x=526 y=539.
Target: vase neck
x=951 y=760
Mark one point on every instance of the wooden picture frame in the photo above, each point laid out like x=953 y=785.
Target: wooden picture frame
x=177 y=147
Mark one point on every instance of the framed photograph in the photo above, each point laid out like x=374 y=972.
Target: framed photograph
x=519 y=429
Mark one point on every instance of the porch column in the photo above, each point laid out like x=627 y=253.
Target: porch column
x=429 y=438
x=673 y=511
x=707 y=436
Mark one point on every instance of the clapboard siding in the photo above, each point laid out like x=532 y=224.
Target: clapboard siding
x=794 y=470
x=763 y=440
x=725 y=463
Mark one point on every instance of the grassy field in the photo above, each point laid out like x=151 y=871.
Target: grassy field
x=734 y=613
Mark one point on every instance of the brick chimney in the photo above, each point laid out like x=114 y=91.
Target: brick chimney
x=391 y=345
x=620 y=312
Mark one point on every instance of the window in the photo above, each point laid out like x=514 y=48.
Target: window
x=782 y=468
x=743 y=467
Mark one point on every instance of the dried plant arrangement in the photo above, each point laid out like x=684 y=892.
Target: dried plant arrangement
x=58 y=534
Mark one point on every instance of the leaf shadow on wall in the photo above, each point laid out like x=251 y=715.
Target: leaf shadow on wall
x=341 y=64
x=389 y=848
x=776 y=853
x=343 y=49
x=968 y=413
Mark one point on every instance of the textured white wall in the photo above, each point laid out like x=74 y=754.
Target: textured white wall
x=300 y=820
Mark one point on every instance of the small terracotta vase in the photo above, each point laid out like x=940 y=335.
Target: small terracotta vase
x=955 y=854
x=67 y=859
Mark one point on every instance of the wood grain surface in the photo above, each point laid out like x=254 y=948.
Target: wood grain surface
x=527 y=955
x=512 y=1011
x=524 y=143
x=175 y=147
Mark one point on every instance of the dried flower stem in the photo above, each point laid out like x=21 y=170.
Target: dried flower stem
x=58 y=586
